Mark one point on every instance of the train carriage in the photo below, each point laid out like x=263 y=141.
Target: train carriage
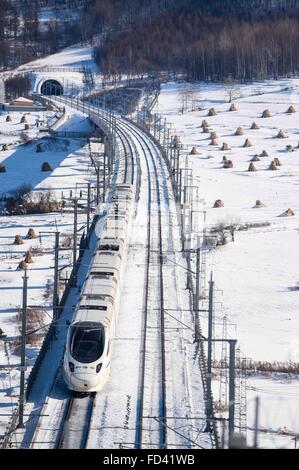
x=87 y=358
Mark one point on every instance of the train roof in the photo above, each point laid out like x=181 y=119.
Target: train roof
x=84 y=314
x=98 y=287
x=106 y=259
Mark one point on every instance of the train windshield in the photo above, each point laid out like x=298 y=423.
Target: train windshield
x=87 y=341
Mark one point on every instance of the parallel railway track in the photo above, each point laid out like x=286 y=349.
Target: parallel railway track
x=151 y=399
x=131 y=138
x=154 y=248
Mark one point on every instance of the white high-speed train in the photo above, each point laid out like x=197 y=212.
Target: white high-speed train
x=87 y=357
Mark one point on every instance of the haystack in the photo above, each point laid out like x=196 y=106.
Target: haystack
x=247 y=143
x=228 y=164
x=232 y=107
x=28 y=257
x=277 y=161
x=22 y=266
x=39 y=148
x=224 y=159
x=256 y=158
x=18 y=240
x=212 y=112
x=205 y=130
x=264 y=154
x=213 y=142
x=251 y=167
x=259 y=204
x=254 y=126
x=4 y=147
x=2 y=168
x=218 y=204
x=26 y=127
x=291 y=110
x=225 y=146
x=290 y=148
x=31 y=234
x=23 y=119
x=193 y=151
x=266 y=113
x=46 y=167
x=281 y=135
x=288 y=213
x=204 y=123
x=8 y=118
x=239 y=131
x=273 y=166
x=213 y=135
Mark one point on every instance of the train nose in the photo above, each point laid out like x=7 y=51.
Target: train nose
x=84 y=382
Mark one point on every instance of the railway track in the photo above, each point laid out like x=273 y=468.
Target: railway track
x=76 y=416
x=152 y=398
x=151 y=421
x=150 y=430
x=151 y=408
x=75 y=425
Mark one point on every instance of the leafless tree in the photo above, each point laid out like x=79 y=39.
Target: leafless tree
x=184 y=96
x=232 y=91
x=220 y=231
x=233 y=225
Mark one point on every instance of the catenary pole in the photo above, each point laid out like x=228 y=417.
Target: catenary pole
x=23 y=353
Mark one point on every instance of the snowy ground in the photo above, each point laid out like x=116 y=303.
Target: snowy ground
x=255 y=276
x=70 y=162
x=74 y=57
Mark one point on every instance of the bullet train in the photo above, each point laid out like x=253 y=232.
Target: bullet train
x=87 y=357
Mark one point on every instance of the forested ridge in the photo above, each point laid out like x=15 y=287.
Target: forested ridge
x=212 y=40
x=25 y=36
x=203 y=40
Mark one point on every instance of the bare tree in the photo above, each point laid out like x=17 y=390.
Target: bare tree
x=224 y=228
x=220 y=231
x=184 y=96
x=233 y=225
x=195 y=97
x=232 y=91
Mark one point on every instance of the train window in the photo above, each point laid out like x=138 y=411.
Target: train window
x=93 y=307
x=87 y=341
x=95 y=296
x=104 y=275
x=108 y=248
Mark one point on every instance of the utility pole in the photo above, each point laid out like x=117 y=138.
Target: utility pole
x=104 y=177
x=231 y=394
x=75 y=242
x=23 y=353
x=209 y=359
x=197 y=294
x=256 y=423
x=55 y=287
x=88 y=208
x=98 y=183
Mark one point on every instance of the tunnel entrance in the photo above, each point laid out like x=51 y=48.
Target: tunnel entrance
x=51 y=87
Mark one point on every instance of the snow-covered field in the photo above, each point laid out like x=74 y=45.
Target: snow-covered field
x=257 y=274
x=70 y=162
